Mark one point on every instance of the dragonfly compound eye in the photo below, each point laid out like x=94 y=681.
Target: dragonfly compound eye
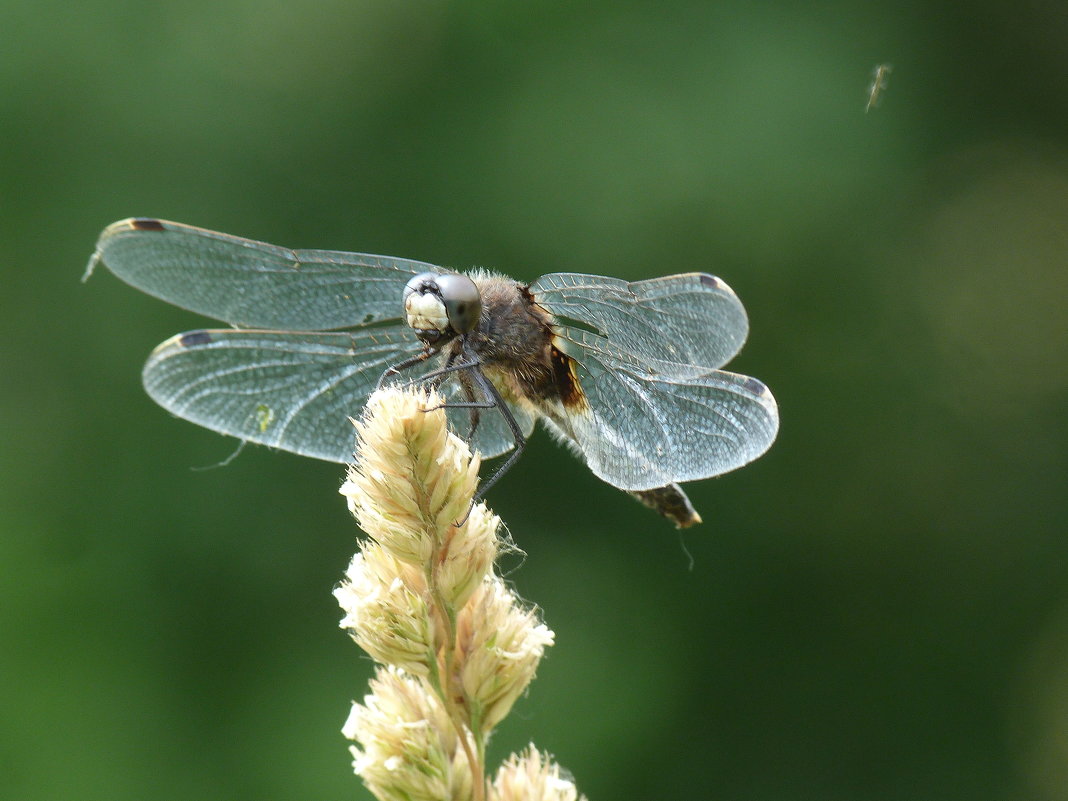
x=462 y=301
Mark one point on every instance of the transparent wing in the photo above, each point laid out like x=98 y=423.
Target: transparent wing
x=288 y=390
x=252 y=284
x=641 y=430
x=294 y=390
x=678 y=325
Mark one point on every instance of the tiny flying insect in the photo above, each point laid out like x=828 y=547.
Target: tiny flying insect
x=879 y=76
x=626 y=373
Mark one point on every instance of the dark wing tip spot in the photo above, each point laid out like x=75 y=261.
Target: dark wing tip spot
x=146 y=224
x=194 y=339
x=711 y=281
x=756 y=386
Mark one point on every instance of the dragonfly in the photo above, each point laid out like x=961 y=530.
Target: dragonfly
x=627 y=374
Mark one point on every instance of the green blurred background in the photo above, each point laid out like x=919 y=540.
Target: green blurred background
x=878 y=608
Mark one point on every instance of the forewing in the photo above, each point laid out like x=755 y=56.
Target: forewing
x=253 y=284
x=678 y=325
x=288 y=390
x=641 y=431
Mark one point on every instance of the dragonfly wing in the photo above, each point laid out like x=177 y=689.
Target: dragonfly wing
x=289 y=390
x=253 y=284
x=295 y=390
x=640 y=430
x=682 y=324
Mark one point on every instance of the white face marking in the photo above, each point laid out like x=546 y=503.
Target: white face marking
x=426 y=313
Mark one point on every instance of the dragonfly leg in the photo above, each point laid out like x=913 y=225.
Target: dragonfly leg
x=435 y=378
x=517 y=433
x=471 y=363
x=396 y=369
x=471 y=404
x=451 y=366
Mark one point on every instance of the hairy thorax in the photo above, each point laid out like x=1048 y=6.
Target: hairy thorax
x=514 y=340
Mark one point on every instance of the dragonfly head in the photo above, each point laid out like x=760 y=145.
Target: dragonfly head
x=441 y=307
